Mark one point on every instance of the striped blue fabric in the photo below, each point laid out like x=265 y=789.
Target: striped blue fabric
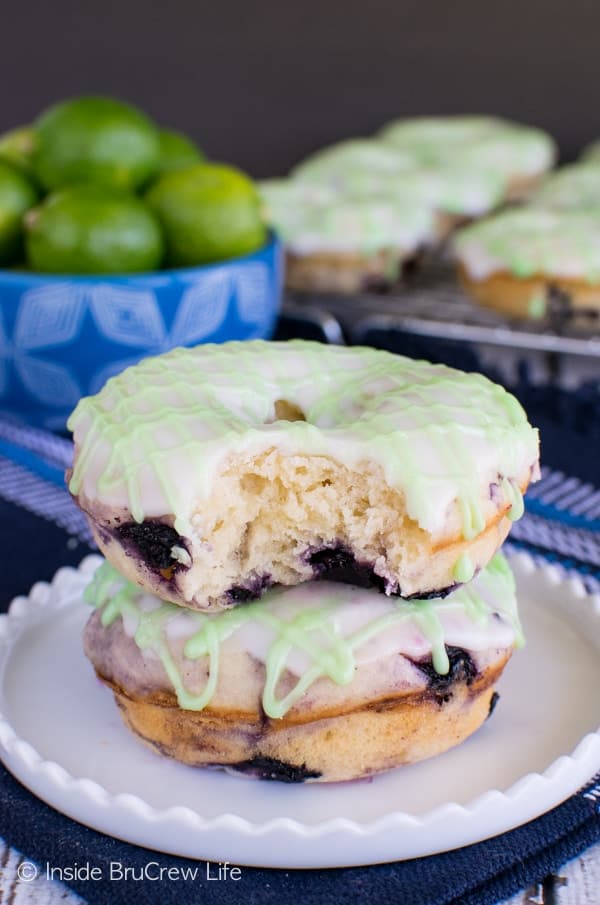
x=561 y=524
x=32 y=475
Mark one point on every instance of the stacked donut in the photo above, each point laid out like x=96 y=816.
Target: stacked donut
x=354 y=213
x=302 y=578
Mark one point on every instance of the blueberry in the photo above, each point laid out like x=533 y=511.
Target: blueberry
x=339 y=564
x=462 y=668
x=493 y=701
x=252 y=590
x=153 y=541
x=271 y=768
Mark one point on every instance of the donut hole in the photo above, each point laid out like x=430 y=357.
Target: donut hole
x=284 y=410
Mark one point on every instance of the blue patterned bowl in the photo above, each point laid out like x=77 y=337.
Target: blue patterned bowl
x=62 y=337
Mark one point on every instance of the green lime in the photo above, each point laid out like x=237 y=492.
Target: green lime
x=91 y=229
x=209 y=212
x=98 y=140
x=177 y=151
x=17 y=147
x=17 y=196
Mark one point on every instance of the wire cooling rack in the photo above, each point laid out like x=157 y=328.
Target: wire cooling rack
x=428 y=315
x=430 y=304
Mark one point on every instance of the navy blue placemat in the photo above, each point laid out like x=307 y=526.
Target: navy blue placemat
x=40 y=530
x=480 y=874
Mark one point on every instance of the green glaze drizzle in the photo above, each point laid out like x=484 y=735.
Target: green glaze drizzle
x=536 y=307
x=311 y=630
x=591 y=152
x=464 y=568
x=354 y=157
x=479 y=141
x=428 y=621
x=360 y=224
x=335 y=175
x=154 y=438
x=429 y=137
x=515 y=497
x=499 y=571
x=532 y=241
x=572 y=187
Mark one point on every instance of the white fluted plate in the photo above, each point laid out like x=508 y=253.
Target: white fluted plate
x=62 y=737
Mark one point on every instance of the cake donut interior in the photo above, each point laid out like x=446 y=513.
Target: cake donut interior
x=302 y=577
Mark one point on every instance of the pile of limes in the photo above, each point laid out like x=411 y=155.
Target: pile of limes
x=94 y=186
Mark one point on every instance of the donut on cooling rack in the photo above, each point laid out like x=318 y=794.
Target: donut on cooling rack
x=574 y=187
x=521 y=155
x=356 y=244
x=533 y=261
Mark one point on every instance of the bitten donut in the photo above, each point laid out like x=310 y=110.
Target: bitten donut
x=520 y=154
x=533 y=261
x=213 y=473
x=316 y=683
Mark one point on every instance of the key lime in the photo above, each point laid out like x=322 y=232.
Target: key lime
x=17 y=196
x=91 y=229
x=98 y=140
x=17 y=147
x=177 y=151
x=209 y=212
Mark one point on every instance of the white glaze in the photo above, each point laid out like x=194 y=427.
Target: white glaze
x=454 y=188
x=363 y=225
x=511 y=149
x=336 y=165
x=572 y=187
x=530 y=241
x=348 y=609
x=155 y=438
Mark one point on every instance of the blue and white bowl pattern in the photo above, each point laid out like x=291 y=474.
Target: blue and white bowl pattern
x=61 y=338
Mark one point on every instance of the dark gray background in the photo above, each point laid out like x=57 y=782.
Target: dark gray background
x=263 y=83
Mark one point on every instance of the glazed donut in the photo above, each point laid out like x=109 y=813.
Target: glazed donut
x=210 y=474
x=432 y=138
x=316 y=683
x=338 y=166
x=454 y=191
x=338 y=243
x=574 y=187
x=532 y=261
x=358 y=239
x=520 y=154
x=591 y=152
x=369 y=169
